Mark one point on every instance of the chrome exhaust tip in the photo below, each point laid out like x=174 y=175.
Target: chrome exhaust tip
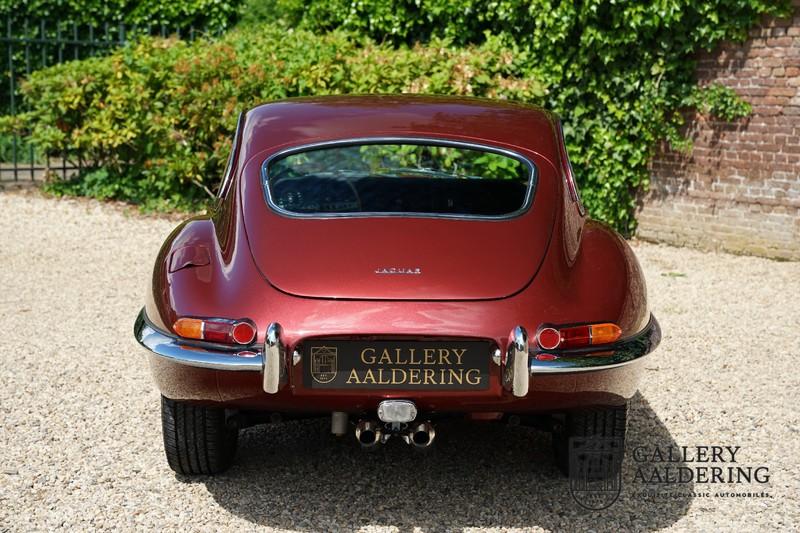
x=421 y=435
x=368 y=433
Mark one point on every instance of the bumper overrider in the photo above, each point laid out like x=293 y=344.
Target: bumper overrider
x=519 y=362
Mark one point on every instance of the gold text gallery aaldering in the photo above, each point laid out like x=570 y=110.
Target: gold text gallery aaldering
x=694 y=464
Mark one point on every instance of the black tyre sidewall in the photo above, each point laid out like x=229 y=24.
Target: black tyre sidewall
x=605 y=422
x=197 y=440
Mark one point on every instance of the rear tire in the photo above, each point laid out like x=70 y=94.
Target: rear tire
x=196 y=438
x=601 y=422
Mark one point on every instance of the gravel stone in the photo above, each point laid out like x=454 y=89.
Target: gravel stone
x=80 y=437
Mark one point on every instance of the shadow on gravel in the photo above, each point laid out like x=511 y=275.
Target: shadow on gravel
x=295 y=475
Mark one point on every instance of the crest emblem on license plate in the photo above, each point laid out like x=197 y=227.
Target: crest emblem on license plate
x=323 y=363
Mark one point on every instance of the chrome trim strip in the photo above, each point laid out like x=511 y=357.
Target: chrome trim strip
x=174 y=350
x=622 y=353
x=532 y=182
x=275 y=359
x=516 y=376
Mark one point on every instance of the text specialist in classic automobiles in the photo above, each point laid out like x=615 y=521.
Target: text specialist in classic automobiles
x=389 y=261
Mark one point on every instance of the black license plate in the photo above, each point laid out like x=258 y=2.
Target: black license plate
x=386 y=364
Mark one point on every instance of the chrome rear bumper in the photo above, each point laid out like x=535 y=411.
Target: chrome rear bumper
x=615 y=355
x=207 y=355
x=270 y=358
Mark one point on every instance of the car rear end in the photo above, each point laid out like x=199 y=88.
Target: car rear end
x=390 y=280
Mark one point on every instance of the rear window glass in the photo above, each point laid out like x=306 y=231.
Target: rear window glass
x=399 y=179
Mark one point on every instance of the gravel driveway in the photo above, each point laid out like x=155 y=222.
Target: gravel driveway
x=80 y=439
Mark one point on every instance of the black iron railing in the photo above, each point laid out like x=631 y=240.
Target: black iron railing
x=31 y=45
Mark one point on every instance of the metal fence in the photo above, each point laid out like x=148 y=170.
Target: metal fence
x=31 y=45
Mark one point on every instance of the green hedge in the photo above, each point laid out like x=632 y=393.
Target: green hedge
x=155 y=119
x=619 y=73
x=158 y=115
x=216 y=14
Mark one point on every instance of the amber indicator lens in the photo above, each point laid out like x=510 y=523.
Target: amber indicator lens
x=551 y=338
x=220 y=330
x=190 y=328
x=605 y=333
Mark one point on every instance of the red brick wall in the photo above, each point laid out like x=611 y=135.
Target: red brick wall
x=739 y=189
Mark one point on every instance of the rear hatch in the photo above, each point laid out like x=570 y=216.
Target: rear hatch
x=409 y=234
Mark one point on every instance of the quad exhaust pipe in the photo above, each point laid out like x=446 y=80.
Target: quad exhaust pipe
x=368 y=433
x=419 y=436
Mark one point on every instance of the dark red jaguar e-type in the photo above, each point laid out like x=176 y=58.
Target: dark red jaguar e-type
x=387 y=261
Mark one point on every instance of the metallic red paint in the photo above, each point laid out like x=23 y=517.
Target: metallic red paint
x=584 y=271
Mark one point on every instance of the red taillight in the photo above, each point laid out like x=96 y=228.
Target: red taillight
x=219 y=330
x=243 y=333
x=575 y=337
x=551 y=338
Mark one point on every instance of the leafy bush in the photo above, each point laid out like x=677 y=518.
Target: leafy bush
x=20 y=149
x=285 y=13
x=44 y=31
x=153 y=121
x=619 y=73
x=158 y=114
x=174 y=14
